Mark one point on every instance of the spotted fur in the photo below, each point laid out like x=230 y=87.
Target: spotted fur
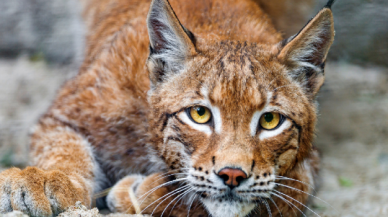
x=122 y=121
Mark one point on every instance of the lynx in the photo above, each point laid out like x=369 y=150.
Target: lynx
x=213 y=118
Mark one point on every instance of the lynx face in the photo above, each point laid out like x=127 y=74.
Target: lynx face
x=229 y=116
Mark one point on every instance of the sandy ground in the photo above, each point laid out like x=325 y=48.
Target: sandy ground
x=352 y=130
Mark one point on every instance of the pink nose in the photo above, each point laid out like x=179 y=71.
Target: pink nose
x=232 y=177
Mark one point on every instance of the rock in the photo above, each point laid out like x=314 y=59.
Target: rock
x=14 y=214
x=80 y=210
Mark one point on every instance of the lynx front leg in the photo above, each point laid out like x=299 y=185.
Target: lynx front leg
x=62 y=176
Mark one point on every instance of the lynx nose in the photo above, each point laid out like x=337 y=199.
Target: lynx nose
x=232 y=177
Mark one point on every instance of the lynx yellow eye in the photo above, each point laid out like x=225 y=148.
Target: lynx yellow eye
x=200 y=114
x=270 y=120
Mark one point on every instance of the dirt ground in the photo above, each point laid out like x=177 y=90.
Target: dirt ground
x=352 y=132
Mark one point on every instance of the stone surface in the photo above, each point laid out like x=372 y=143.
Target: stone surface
x=81 y=211
x=14 y=214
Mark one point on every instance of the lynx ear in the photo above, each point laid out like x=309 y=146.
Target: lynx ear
x=170 y=43
x=305 y=53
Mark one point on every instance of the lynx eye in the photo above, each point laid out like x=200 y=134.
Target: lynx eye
x=200 y=114
x=270 y=120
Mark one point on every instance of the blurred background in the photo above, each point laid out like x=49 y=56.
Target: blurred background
x=42 y=44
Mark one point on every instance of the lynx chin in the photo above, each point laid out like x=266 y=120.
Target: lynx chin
x=198 y=107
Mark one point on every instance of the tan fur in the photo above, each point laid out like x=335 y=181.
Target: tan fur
x=117 y=117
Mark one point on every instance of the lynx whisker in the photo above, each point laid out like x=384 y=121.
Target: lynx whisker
x=102 y=193
x=166 y=195
x=295 y=189
x=106 y=191
x=280 y=212
x=177 y=203
x=297 y=202
x=288 y=203
x=145 y=195
x=167 y=175
x=177 y=191
x=268 y=208
x=157 y=187
x=256 y=209
x=170 y=171
x=135 y=202
x=179 y=197
x=192 y=201
x=259 y=205
x=287 y=178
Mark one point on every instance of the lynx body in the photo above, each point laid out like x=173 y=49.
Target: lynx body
x=214 y=117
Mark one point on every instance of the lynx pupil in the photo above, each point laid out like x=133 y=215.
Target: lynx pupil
x=268 y=117
x=201 y=111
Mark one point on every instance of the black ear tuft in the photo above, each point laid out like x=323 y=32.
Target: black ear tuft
x=329 y=4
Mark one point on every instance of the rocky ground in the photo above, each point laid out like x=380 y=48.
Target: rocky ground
x=352 y=130
x=78 y=210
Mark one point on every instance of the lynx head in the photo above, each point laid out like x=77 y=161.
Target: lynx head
x=229 y=116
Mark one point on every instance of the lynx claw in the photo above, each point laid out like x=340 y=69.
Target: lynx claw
x=36 y=192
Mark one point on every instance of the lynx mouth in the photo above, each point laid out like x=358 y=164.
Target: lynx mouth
x=247 y=196
x=230 y=205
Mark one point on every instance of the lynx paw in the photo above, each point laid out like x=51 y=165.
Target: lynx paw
x=135 y=193
x=119 y=198
x=37 y=192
